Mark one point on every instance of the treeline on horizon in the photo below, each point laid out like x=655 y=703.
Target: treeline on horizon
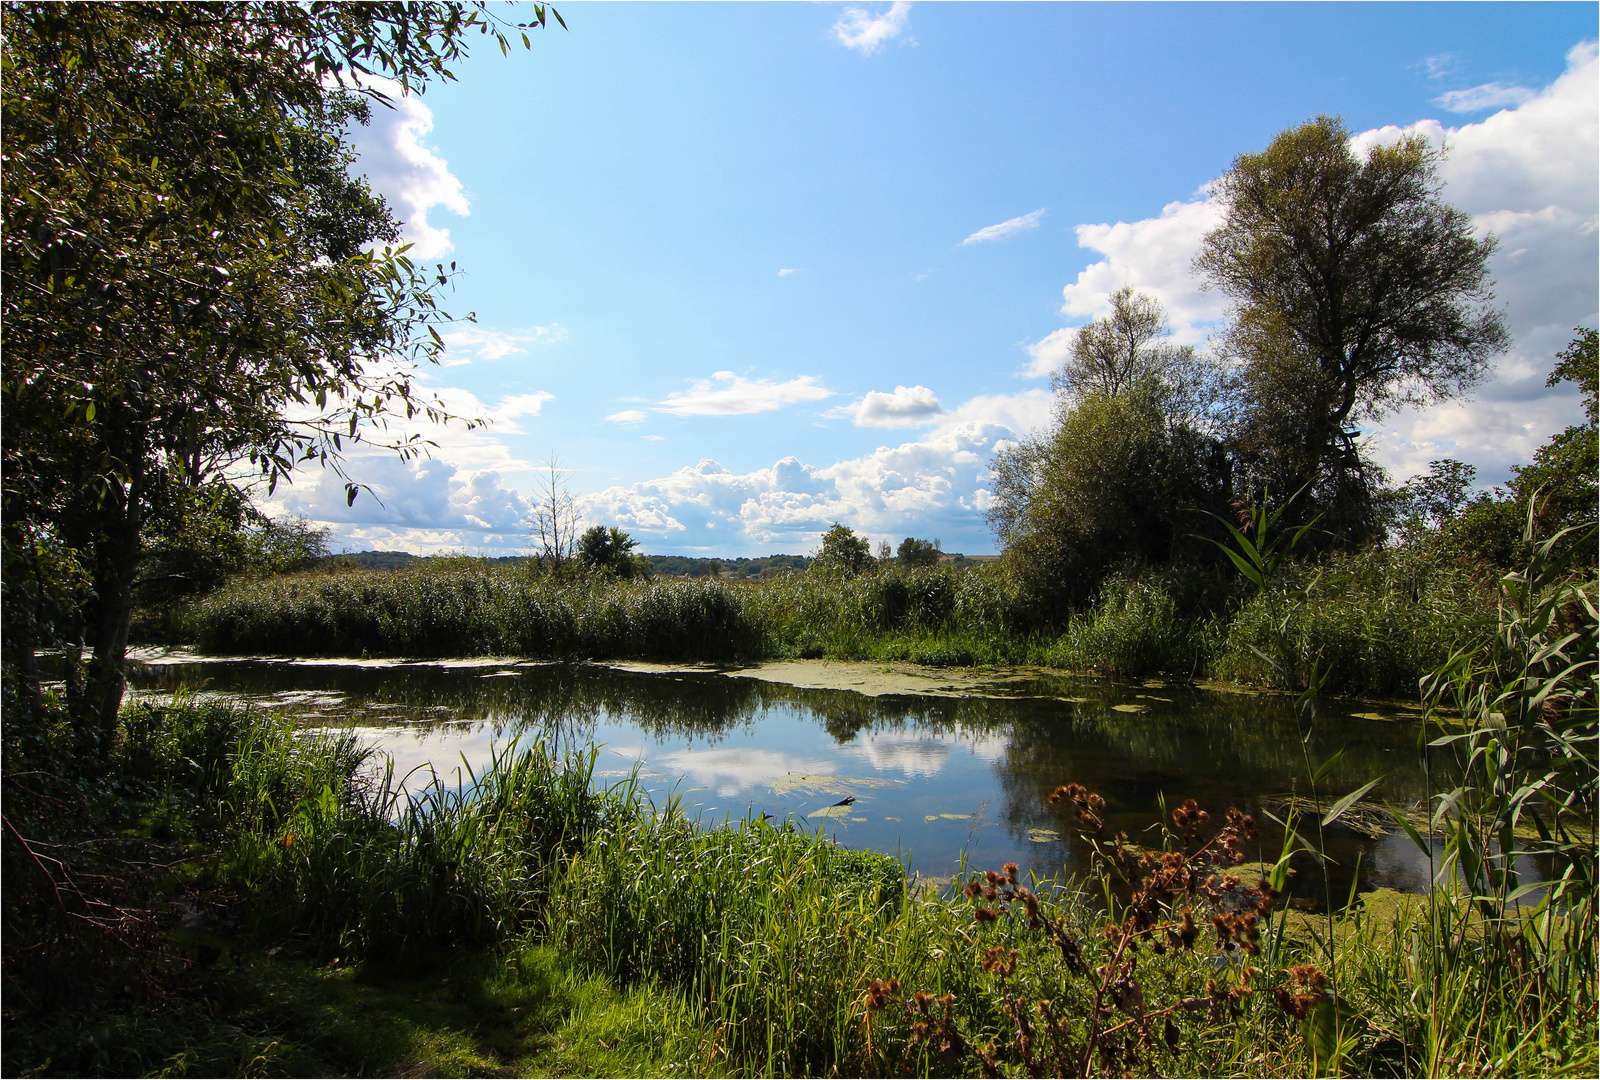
x=666 y=565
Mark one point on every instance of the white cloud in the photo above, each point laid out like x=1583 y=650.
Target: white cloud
x=1439 y=66
x=1152 y=255
x=1528 y=174
x=412 y=177
x=1048 y=354
x=469 y=342
x=935 y=485
x=1005 y=229
x=908 y=406
x=860 y=30
x=520 y=405
x=727 y=394
x=628 y=416
x=1488 y=96
x=787 y=271
x=422 y=506
x=731 y=770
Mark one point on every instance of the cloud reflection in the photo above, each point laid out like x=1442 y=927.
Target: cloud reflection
x=730 y=770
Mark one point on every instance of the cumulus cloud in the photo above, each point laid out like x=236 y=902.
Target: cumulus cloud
x=1488 y=96
x=411 y=176
x=727 y=394
x=1527 y=174
x=422 y=506
x=908 y=406
x=1049 y=353
x=628 y=416
x=468 y=343
x=866 y=33
x=1005 y=229
x=935 y=485
x=1152 y=255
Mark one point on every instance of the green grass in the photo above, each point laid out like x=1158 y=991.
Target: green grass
x=527 y=924
x=1372 y=622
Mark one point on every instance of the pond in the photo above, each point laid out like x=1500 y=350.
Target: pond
x=927 y=765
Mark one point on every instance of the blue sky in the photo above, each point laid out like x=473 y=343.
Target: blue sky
x=748 y=269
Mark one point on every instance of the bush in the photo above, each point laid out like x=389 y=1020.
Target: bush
x=1373 y=622
x=1134 y=629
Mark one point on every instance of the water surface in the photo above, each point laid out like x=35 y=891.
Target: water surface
x=932 y=777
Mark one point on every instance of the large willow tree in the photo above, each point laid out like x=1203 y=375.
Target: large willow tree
x=1357 y=289
x=193 y=283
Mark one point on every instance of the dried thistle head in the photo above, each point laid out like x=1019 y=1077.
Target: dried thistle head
x=1011 y=870
x=877 y=995
x=1000 y=961
x=1306 y=989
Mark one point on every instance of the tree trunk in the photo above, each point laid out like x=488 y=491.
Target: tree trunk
x=116 y=566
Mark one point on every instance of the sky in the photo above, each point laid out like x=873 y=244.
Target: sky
x=745 y=270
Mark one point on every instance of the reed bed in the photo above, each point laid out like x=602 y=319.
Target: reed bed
x=1369 y=623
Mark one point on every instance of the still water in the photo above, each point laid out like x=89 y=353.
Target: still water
x=934 y=772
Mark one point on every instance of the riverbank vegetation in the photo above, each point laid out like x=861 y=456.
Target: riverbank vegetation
x=1378 y=620
x=228 y=895
x=197 y=290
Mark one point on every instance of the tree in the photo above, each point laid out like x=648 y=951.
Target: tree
x=1114 y=480
x=1110 y=354
x=1560 y=481
x=1356 y=290
x=1427 y=503
x=191 y=280
x=609 y=551
x=914 y=552
x=844 y=551
x=1115 y=476
x=554 y=521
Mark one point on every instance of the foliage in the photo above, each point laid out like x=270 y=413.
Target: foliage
x=1417 y=510
x=1528 y=696
x=914 y=552
x=1116 y=352
x=843 y=552
x=1135 y=628
x=1560 y=484
x=1369 y=622
x=610 y=551
x=1357 y=290
x=1113 y=481
x=191 y=277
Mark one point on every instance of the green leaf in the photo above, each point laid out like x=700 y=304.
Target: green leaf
x=1349 y=800
x=1410 y=829
x=1327 y=766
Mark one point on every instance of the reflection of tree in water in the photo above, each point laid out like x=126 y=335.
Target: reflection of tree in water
x=1223 y=749
x=561 y=701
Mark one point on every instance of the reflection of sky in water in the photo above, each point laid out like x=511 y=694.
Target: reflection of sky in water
x=930 y=778
x=910 y=776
